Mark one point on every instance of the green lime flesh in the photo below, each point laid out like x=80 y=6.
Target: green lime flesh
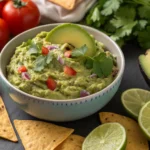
x=134 y=99
x=144 y=119
x=109 y=136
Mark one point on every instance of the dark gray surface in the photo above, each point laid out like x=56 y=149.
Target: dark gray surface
x=132 y=79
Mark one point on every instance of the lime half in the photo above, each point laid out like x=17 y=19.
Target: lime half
x=144 y=119
x=109 y=136
x=134 y=99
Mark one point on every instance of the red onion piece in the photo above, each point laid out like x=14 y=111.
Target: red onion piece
x=52 y=47
x=84 y=93
x=25 y=75
x=61 y=61
x=93 y=75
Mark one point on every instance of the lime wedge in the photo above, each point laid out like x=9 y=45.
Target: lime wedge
x=144 y=119
x=109 y=136
x=134 y=99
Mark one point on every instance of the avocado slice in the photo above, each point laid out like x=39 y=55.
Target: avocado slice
x=74 y=35
x=144 y=62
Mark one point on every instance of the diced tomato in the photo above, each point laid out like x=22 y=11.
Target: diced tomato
x=67 y=54
x=51 y=84
x=45 y=50
x=69 y=71
x=22 y=69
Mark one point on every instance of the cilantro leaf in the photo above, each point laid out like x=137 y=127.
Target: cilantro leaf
x=141 y=2
x=49 y=58
x=126 y=30
x=109 y=27
x=144 y=38
x=78 y=52
x=142 y=24
x=101 y=65
x=95 y=15
x=40 y=63
x=106 y=66
x=123 y=16
x=144 y=12
x=89 y=63
x=111 y=6
x=101 y=56
x=34 y=48
x=96 y=69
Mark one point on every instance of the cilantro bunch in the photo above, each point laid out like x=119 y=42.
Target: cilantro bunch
x=122 y=20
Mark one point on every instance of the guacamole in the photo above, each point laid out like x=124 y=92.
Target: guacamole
x=58 y=71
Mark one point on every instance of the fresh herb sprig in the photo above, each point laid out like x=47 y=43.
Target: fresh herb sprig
x=122 y=20
x=42 y=60
x=100 y=65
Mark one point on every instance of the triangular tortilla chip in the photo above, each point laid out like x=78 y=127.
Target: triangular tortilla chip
x=73 y=142
x=135 y=138
x=39 y=135
x=6 y=129
x=67 y=4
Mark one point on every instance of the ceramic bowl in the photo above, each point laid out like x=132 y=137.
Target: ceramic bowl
x=57 y=110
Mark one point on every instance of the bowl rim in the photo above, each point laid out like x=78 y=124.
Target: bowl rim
x=120 y=74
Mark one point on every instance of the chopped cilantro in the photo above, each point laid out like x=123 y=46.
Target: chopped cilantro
x=49 y=58
x=78 y=52
x=96 y=69
x=34 y=48
x=89 y=63
x=40 y=63
x=102 y=65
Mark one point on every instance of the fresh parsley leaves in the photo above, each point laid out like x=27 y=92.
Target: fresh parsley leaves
x=122 y=20
x=78 y=52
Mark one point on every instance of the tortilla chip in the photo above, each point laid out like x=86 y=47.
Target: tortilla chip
x=6 y=128
x=67 y=4
x=73 y=142
x=38 y=135
x=135 y=138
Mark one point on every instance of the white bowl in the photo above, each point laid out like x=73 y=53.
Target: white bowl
x=57 y=110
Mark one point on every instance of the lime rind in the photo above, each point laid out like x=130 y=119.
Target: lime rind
x=134 y=97
x=144 y=119
x=110 y=136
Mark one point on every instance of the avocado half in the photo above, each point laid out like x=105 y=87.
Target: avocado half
x=144 y=62
x=74 y=35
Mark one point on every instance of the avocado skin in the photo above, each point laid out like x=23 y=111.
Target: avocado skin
x=144 y=75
